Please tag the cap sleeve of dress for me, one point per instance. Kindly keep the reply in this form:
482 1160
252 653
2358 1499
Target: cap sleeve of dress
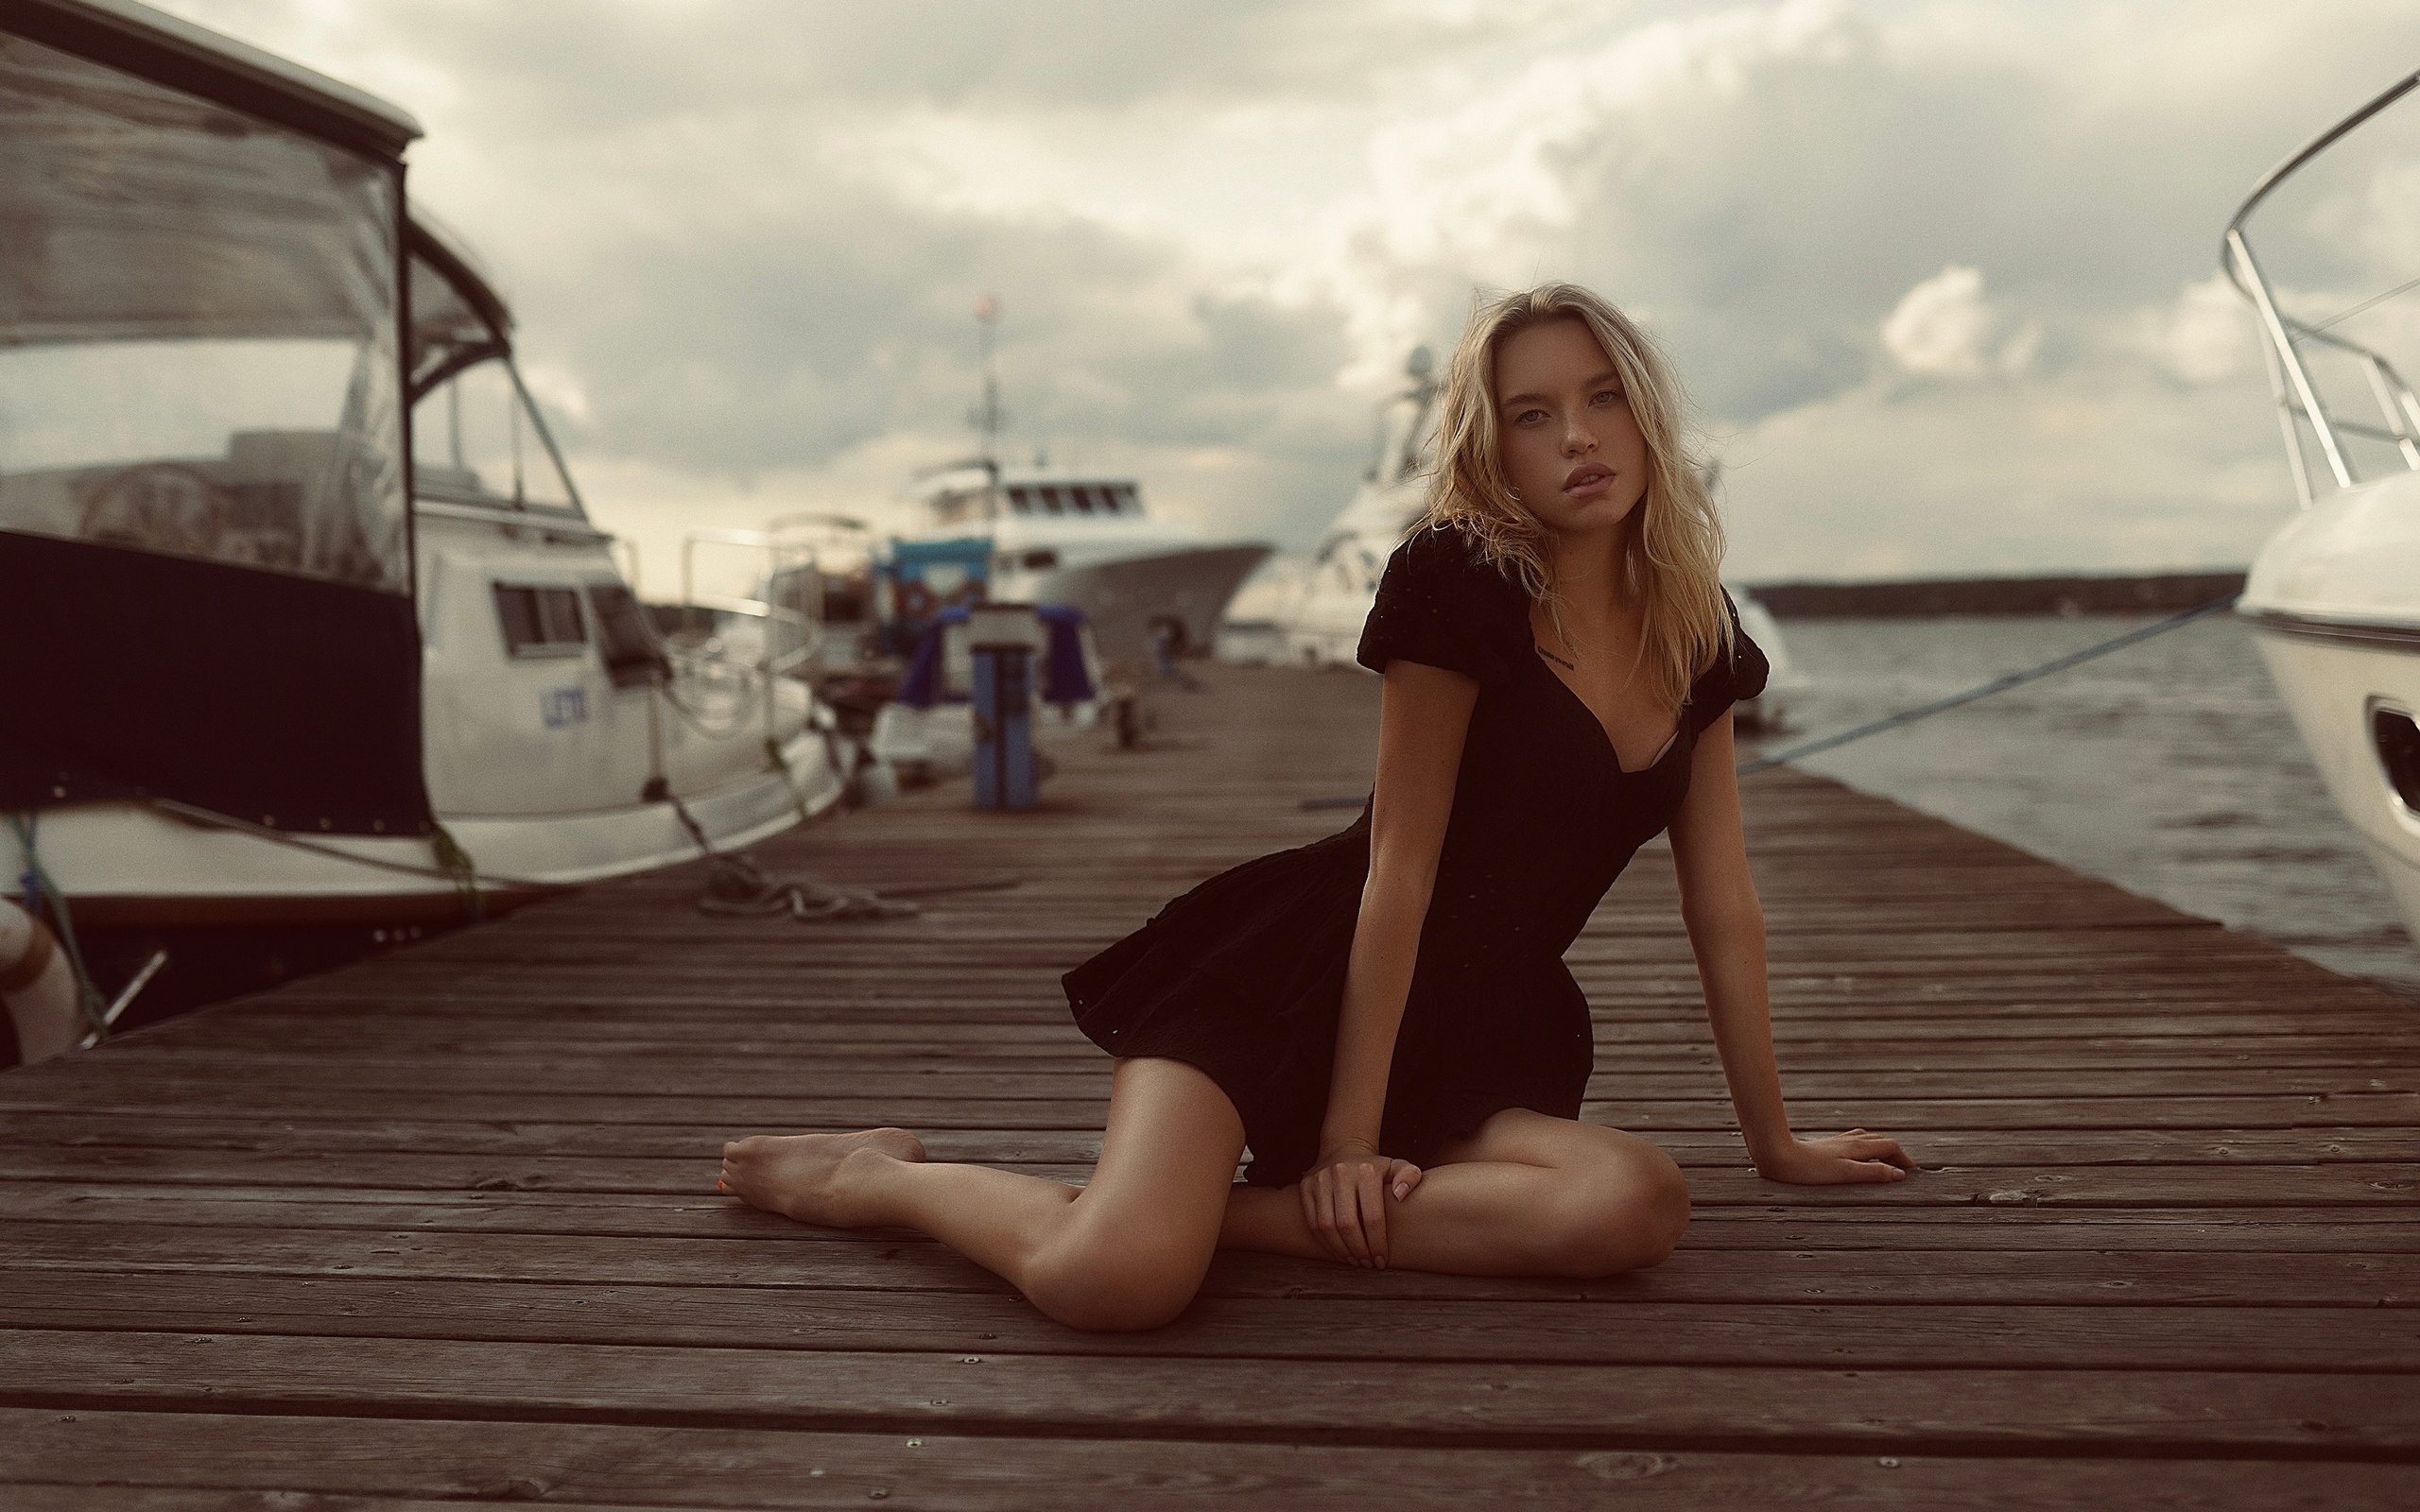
1440 606
1732 677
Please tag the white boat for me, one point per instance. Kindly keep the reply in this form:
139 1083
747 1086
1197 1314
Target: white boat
1153 587
1084 539
925 732
1320 624
1320 616
2334 597
305 624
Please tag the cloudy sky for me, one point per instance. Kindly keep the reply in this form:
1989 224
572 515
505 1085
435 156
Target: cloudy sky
1939 274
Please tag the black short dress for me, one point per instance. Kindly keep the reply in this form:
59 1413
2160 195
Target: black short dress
1244 975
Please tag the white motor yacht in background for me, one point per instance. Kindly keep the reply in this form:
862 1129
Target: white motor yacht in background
304 626
1147 584
1322 624
1062 537
2334 596
1320 614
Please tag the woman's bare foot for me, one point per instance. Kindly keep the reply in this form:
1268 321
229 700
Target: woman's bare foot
820 1179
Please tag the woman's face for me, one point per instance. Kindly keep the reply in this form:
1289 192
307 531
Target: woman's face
1568 442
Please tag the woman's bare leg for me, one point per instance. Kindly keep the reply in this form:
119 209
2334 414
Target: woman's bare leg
1527 1196
1126 1252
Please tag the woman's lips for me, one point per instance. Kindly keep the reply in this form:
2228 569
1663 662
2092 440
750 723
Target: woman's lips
1587 480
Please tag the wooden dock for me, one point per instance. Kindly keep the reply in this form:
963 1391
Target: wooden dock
441 1228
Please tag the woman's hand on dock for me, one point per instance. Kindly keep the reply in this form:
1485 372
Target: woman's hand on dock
1838 1160
1345 1194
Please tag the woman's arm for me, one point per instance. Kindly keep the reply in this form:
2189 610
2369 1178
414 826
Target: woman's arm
1726 927
1424 715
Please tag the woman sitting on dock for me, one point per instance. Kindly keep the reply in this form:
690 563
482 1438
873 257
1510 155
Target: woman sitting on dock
1384 1016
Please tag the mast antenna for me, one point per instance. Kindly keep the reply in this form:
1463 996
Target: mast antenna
987 416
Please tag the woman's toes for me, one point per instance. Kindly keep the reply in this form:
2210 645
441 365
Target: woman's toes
824 1179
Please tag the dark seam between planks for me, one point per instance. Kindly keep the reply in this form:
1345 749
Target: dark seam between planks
1832 1445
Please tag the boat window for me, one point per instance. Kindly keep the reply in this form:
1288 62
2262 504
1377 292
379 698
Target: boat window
198 329
1021 501
475 441
2398 743
539 620
1127 503
1040 561
1051 503
625 636
1082 499
1106 498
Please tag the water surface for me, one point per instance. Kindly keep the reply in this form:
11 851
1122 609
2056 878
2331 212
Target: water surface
2170 769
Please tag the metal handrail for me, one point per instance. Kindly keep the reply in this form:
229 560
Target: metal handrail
2314 148
770 664
2290 381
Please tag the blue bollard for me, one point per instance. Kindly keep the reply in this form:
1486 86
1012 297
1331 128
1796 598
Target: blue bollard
1001 640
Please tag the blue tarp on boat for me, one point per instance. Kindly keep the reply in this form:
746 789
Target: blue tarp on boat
1063 677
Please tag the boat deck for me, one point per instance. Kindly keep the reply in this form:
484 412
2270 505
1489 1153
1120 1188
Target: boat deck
441 1228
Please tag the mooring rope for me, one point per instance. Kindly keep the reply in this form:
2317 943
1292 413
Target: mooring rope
1925 710
1984 690
42 895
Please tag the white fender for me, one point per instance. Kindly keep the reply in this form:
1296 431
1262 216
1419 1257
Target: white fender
37 984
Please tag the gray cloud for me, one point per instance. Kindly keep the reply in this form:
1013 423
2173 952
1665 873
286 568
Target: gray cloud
751 235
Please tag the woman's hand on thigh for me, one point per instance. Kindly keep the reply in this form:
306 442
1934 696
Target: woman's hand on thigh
1345 1197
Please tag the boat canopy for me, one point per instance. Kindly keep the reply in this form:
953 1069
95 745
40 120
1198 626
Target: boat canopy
197 327
204 524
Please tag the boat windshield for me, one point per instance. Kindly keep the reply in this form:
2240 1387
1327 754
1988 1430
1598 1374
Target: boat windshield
198 332
476 440
477 436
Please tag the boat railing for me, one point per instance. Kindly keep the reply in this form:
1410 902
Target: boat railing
2285 339
787 635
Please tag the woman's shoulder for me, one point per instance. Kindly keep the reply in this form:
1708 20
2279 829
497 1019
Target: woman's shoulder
1445 558
1736 671
1441 602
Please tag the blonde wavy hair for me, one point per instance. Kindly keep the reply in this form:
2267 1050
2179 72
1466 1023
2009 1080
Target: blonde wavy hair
1672 548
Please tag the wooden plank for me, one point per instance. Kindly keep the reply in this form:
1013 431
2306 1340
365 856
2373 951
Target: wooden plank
985 1314
1473 1404
179 1083
1620 1060
1727 1184
2273 1231
2289 1110
2011 1277
272 1461
1966 1148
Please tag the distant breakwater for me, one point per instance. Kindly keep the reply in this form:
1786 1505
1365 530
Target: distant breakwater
2154 592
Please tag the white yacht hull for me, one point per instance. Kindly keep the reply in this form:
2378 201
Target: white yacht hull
1324 630
539 768
131 866
2334 601
1126 599
2329 688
